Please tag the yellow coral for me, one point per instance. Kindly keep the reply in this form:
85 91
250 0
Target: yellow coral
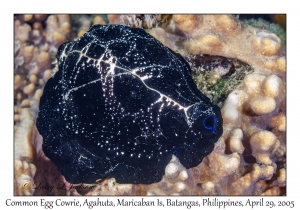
263 106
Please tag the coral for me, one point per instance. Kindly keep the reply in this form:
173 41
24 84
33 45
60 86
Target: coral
272 27
137 21
264 92
84 24
278 122
248 159
32 59
24 169
244 184
32 18
24 173
35 47
167 39
225 36
187 24
114 19
264 144
57 30
98 20
235 141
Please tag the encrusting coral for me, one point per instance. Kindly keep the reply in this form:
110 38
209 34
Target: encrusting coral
248 159
137 21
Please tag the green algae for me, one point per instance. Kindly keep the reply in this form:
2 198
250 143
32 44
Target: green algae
266 25
217 76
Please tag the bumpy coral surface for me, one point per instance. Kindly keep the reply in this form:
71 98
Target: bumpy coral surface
248 159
